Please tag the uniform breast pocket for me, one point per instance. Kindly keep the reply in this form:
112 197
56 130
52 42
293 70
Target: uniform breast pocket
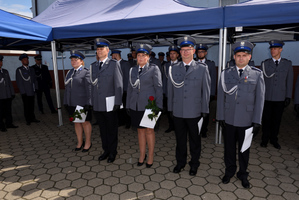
230 84
251 86
195 81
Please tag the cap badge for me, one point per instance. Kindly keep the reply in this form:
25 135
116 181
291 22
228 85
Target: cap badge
185 38
242 43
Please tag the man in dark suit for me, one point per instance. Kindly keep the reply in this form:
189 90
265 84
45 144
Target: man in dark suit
240 98
27 85
124 118
106 79
44 84
7 94
188 99
133 61
201 53
278 74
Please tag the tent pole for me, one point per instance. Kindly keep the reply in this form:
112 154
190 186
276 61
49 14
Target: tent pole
54 56
218 131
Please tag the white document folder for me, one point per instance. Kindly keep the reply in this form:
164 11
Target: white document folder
147 122
199 124
247 139
83 115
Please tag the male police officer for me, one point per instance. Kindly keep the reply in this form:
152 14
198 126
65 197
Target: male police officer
27 85
106 79
188 100
278 74
124 118
44 84
201 53
133 61
7 94
240 101
174 54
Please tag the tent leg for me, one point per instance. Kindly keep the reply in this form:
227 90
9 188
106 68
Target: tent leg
218 132
53 47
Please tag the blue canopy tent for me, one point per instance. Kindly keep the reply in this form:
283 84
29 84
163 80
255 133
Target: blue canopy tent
19 32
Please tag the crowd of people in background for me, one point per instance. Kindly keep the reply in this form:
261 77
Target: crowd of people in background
183 88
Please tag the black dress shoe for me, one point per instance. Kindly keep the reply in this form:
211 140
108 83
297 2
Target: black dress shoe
78 149
35 120
149 165
193 171
42 112
3 129
226 179
169 130
245 183
86 150
111 159
104 156
139 163
11 126
177 169
276 145
263 144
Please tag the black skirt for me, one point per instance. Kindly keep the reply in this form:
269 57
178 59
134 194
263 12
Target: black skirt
71 110
136 117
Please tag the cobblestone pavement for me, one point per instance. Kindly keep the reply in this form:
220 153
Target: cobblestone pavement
38 162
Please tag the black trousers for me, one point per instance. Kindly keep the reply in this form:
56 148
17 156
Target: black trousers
123 117
170 119
232 135
272 114
108 123
182 127
39 96
28 104
5 112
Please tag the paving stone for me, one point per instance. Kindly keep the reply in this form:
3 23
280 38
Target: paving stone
66 192
258 192
102 190
95 182
162 194
110 197
11 187
46 185
93 197
32 193
85 191
224 195
135 187
287 187
62 184
17 194
209 196
243 193
111 181
58 177
144 195
79 183
152 186
49 193
179 192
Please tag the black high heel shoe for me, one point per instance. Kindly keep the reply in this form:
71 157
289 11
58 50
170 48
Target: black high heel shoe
148 165
86 150
78 149
139 163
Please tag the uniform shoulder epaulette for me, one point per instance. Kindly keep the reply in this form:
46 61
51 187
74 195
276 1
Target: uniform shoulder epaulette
269 59
94 62
85 68
254 68
286 59
211 61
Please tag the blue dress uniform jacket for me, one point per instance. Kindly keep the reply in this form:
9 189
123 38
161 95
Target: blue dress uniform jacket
244 106
165 77
106 82
280 85
125 68
77 88
150 85
192 99
26 80
6 88
212 72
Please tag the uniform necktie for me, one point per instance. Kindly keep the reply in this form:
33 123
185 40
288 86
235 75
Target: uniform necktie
241 71
101 63
276 63
187 67
140 70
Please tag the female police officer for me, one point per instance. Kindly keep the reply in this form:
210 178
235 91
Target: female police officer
78 92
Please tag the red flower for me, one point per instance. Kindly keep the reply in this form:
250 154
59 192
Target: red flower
71 119
151 98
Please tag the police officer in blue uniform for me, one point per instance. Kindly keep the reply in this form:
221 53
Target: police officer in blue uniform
124 118
278 74
7 94
44 84
188 99
133 61
174 53
27 84
201 53
78 93
107 81
240 100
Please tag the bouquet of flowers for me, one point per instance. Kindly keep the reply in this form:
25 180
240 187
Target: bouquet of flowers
153 107
77 114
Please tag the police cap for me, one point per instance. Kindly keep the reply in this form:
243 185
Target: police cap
242 46
161 54
167 53
129 55
76 54
153 54
276 43
186 41
115 51
202 46
24 55
38 57
143 48
173 48
101 42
